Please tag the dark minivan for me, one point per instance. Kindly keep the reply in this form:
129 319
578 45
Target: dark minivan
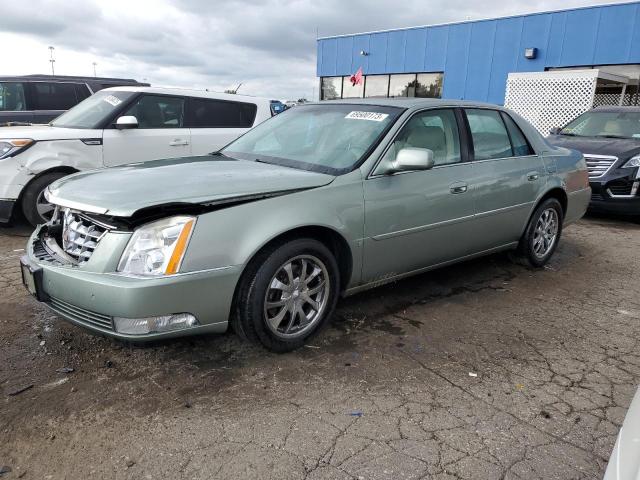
41 98
609 139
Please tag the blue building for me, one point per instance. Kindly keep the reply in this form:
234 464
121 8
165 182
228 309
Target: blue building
471 60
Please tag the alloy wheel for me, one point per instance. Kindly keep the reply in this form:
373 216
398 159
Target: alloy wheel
296 296
545 233
44 208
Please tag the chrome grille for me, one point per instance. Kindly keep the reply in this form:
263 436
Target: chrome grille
80 235
81 315
598 165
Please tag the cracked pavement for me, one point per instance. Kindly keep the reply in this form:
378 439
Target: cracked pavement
483 370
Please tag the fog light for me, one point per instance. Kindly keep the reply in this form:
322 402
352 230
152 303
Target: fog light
165 323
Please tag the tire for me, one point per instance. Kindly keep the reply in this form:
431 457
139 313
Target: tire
542 235
33 199
272 304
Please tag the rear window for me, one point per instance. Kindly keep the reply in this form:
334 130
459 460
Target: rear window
53 96
12 98
211 113
490 137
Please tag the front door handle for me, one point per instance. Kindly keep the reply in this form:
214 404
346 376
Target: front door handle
178 142
533 176
458 188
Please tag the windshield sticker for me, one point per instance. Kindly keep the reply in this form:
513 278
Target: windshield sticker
373 116
112 100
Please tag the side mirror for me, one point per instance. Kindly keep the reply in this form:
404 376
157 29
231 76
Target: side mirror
555 131
408 159
126 122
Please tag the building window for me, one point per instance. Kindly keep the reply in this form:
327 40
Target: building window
352 91
403 85
424 85
429 85
376 86
331 88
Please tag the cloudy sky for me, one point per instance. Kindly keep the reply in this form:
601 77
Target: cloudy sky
268 45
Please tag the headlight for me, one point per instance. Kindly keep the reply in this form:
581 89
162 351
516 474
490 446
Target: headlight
10 147
157 248
633 162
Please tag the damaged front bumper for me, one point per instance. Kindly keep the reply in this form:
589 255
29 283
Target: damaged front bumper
93 295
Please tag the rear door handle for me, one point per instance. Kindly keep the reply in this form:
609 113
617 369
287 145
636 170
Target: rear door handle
178 142
533 176
458 188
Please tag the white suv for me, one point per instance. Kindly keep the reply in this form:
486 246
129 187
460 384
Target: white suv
113 127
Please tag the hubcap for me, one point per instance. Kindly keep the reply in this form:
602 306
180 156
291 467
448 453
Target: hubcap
546 233
44 208
296 296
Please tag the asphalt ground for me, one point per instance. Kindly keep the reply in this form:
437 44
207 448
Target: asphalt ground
483 370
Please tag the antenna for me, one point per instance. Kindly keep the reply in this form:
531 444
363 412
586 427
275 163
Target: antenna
51 59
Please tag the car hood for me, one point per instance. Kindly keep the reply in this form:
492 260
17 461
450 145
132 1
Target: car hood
202 180
617 147
47 132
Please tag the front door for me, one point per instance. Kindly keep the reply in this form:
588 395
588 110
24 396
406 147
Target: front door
420 218
160 132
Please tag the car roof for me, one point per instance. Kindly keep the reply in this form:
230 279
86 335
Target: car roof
616 108
191 92
410 102
66 78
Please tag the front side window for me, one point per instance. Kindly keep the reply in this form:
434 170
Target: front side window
93 112
489 134
605 124
436 130
206 113
54 96
330 137
12 97
158 111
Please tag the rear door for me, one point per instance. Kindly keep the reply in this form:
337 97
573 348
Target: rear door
509 177
418 219
215 123
160 134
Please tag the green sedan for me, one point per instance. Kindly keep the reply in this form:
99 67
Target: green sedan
320 201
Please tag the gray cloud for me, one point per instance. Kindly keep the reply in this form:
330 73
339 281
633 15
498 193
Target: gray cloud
269 45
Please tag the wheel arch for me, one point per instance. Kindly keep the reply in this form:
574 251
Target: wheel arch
60 169
555 192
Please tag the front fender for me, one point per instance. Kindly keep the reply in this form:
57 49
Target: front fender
232 236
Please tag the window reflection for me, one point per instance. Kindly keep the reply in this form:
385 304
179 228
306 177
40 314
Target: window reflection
403 85
331 88
376 86
429 85
352 91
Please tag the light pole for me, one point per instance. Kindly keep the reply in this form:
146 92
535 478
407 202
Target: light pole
94 69
52 60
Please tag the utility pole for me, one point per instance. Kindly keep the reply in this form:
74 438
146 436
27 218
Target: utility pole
94 69
52 60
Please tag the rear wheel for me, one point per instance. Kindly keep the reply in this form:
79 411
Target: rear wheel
287 294
542 235
35 207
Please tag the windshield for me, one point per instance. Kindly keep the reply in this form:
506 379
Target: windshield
93 111
329 138
605 124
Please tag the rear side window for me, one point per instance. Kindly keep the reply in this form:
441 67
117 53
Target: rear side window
12 98
53 96
490 137
82 92
519 142
209 113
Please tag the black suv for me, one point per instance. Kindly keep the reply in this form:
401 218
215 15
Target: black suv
41 98
609 139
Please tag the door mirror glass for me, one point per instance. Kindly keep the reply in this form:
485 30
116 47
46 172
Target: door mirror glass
409 159
126 122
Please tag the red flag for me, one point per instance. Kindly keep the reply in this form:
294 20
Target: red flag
356 79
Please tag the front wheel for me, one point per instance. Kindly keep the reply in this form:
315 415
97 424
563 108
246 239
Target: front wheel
287 294
35 207
542 235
